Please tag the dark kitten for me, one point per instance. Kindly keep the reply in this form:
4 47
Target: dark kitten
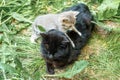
55 46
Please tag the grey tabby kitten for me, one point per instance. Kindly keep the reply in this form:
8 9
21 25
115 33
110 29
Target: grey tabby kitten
63 21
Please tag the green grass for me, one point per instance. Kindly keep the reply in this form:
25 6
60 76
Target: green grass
105 65
21 60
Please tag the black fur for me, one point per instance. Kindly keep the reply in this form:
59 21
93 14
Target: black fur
56 48
83 24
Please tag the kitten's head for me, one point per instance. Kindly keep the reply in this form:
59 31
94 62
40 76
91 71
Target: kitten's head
68 19
55 46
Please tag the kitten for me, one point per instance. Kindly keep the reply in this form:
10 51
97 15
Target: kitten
63 22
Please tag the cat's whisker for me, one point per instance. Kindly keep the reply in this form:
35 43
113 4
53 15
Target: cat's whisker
72 43
79 33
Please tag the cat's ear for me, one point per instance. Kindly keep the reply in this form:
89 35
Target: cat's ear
44 35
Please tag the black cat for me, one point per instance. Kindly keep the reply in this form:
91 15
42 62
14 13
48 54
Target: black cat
55 46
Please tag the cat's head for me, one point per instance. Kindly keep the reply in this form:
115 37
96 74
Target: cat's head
68 19
55 46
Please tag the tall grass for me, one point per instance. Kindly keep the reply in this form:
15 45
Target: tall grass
20 59
105 65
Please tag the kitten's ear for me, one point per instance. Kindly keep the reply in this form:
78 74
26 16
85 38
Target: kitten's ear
44 35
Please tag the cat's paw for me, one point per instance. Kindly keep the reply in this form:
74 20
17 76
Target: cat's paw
49 68
50 71
33 38
32 41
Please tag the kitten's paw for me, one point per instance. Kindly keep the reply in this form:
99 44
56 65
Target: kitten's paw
32 40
